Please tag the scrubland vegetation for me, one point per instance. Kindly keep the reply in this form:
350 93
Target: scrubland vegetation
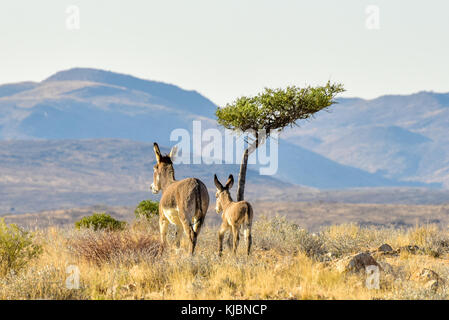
287 262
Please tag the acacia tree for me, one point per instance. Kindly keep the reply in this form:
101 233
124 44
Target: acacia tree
273 109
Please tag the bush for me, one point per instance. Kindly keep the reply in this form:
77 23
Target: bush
99 221
430 239
147 209
350 238
16 248
129 246
286 237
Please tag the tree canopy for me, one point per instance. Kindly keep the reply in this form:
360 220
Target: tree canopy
275 109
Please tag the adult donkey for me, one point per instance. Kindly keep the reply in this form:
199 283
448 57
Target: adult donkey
183 203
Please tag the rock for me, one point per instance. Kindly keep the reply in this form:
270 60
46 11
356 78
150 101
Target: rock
410 249
433 279
428 274
130 287
385 248
356 263
328 257
432 285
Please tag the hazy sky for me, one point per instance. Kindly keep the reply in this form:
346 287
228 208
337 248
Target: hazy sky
226 48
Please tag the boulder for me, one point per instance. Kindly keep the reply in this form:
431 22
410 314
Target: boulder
433 281
432 285
385 248
428 274
410 249
356 263
329 256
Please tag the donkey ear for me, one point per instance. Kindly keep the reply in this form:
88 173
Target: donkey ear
230 182
217 183
157 152
173 153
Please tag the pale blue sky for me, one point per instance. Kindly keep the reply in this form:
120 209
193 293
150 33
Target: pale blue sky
226 48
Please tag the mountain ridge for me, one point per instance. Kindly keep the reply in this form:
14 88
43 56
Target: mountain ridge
345 148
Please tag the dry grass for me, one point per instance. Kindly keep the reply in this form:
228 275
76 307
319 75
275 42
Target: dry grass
287 262
120 247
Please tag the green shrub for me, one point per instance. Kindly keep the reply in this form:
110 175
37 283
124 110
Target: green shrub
16 248
147 209
99 221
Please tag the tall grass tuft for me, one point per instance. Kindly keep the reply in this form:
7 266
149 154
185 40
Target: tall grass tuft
430 239
287 238
340 240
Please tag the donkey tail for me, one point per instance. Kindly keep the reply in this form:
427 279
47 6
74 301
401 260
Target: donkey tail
199 206
247 224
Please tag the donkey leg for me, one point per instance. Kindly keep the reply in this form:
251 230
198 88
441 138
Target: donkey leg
193 243
163 227
188 230
235 238
178 236
249 239
221 234
229 241
197 223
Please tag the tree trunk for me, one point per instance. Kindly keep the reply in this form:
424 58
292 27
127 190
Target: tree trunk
242 176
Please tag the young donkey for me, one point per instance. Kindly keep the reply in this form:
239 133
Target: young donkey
235 214
183 203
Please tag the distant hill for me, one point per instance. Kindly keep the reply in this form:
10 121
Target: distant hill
160 93
54 174
88 103
66 174
400 137
356 145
